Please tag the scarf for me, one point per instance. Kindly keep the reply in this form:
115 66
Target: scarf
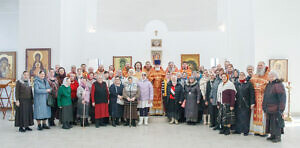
24 81
65 82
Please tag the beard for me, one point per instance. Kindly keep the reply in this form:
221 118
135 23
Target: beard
261 72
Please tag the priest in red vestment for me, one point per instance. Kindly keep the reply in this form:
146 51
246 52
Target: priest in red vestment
157 75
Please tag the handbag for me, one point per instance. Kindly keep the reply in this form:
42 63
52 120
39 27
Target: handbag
50 100
183 104
120 101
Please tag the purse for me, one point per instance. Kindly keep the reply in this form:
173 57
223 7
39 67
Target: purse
50 100
120 101
183 104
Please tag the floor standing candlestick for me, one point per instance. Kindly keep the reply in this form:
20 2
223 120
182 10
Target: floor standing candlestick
289 117
12 87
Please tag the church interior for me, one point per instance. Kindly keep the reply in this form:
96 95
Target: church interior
37 35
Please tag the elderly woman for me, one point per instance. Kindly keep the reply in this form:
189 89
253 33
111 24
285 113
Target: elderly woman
42 111
116 101
65 103
274 105
245 101
53 82
131 93
226 102
192 95
83 95
24 98
175 96
100 100
203 106
145 101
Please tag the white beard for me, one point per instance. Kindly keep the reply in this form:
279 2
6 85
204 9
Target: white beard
260 72
157 68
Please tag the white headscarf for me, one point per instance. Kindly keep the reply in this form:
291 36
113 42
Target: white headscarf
65 82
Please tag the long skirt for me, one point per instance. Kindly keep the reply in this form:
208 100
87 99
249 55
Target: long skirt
173 109
67 114
101 110
24 114
133 110
274 124
243 120
116 110
82 113
226 116
191 109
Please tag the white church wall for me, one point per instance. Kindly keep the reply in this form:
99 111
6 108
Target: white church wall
277 35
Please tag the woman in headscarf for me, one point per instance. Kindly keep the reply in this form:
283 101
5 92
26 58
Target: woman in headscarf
273 105
54 86
100 100
115 94
83 94
192 95
145 101
24 98
42 111
131 93
65 103
226 101
245 101
175 96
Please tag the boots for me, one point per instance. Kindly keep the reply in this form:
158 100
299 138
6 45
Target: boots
97 123
222 130
113 122
101 123
227 131
117 121
204 119
65 126
172 121
271 137
133 123
51 122
126 122
45 126
146 120
141 121
21 129
40 127
208 119
276 139
176 121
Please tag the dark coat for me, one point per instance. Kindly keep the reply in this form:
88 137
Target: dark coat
115 109
274 97
23 91
179 94
245 96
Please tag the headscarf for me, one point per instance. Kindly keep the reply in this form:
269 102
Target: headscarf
65 81
86 93
25 81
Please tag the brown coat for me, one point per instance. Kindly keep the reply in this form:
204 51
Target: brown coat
23 91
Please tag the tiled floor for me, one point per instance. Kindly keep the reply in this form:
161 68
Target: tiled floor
159 134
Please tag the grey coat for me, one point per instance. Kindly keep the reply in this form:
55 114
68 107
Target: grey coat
214 90
41 109
192 95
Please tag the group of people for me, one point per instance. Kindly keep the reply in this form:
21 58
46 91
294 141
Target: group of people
226 99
